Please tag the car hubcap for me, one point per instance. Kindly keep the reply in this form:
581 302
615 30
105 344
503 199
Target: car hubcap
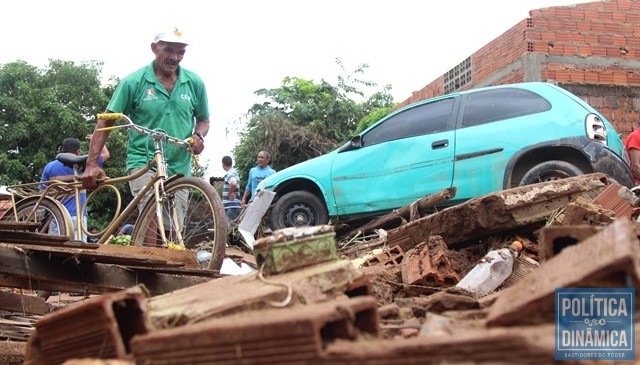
300 215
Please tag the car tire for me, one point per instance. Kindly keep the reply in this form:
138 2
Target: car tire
550 171
298 209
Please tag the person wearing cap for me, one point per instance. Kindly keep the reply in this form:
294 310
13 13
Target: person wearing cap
56 170
161 95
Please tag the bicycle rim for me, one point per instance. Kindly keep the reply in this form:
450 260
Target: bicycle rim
202 225
50 214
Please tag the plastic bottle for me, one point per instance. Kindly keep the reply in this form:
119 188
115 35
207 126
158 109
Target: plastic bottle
491 271
203 256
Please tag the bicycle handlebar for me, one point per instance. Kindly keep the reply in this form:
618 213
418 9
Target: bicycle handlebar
111 116
142 130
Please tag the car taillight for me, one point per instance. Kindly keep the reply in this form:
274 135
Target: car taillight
596 130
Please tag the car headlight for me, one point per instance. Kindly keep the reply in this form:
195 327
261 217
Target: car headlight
596 130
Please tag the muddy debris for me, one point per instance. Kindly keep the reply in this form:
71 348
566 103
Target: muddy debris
387 293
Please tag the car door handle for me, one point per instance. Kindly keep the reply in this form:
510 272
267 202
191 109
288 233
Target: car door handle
440 144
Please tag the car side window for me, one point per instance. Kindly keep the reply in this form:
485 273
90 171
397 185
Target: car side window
492 105
423 119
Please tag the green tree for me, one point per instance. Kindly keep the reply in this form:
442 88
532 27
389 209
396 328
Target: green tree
41 107
302 119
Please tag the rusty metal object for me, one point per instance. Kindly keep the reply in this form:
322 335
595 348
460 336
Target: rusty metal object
277 336
100 327
293 248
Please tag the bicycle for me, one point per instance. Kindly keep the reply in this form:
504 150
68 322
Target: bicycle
181 212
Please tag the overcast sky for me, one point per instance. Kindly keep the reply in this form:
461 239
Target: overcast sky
242 46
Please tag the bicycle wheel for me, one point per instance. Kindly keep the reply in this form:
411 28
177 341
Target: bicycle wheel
49 213
201 218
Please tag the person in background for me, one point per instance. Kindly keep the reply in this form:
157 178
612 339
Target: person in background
56 170
125 229
257 174
231 190
632 148
93 239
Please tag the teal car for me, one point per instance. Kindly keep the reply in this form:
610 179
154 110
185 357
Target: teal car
479 141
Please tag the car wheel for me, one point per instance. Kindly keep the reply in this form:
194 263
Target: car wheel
298 209
550 171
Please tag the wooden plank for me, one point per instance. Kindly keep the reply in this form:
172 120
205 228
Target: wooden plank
500 211
18 226
36 238
81 255
408 212
9 322
20 269
186 258
308 285
26 304
182 271
154 255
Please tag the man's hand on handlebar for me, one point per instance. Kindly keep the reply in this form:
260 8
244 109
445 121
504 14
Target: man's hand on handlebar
197 145
90 177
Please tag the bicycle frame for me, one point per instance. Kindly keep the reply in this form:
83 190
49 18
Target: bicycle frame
156 183
61 190
55 191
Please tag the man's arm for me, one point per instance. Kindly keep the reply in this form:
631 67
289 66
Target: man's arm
635 161
201 130
247 189
92 171
233 188
105 154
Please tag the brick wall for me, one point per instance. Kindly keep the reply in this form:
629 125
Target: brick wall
591 49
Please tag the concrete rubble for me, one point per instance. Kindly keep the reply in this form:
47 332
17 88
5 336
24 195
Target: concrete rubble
385 295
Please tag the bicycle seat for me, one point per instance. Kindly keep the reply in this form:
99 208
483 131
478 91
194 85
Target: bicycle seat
70 159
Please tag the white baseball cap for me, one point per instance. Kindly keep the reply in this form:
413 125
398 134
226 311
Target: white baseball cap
174 36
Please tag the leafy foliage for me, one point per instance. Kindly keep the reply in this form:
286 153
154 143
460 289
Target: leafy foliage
41 107
373 117
302 119
122 240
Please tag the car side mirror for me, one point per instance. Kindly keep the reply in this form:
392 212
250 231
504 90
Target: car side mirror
354 143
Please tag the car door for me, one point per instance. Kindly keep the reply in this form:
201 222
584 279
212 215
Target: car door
492 126
402 158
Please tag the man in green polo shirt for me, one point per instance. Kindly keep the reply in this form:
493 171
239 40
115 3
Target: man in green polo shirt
161 95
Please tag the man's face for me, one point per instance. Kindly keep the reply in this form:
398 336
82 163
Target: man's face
262 160
168 55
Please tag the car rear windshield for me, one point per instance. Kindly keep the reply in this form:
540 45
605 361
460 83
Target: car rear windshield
492 105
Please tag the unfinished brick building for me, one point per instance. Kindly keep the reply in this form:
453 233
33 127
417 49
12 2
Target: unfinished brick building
590 49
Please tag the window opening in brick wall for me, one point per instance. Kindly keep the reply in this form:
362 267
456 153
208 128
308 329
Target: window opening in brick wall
529 22
458 76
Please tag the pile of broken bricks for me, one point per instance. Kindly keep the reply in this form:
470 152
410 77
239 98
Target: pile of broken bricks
399 306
